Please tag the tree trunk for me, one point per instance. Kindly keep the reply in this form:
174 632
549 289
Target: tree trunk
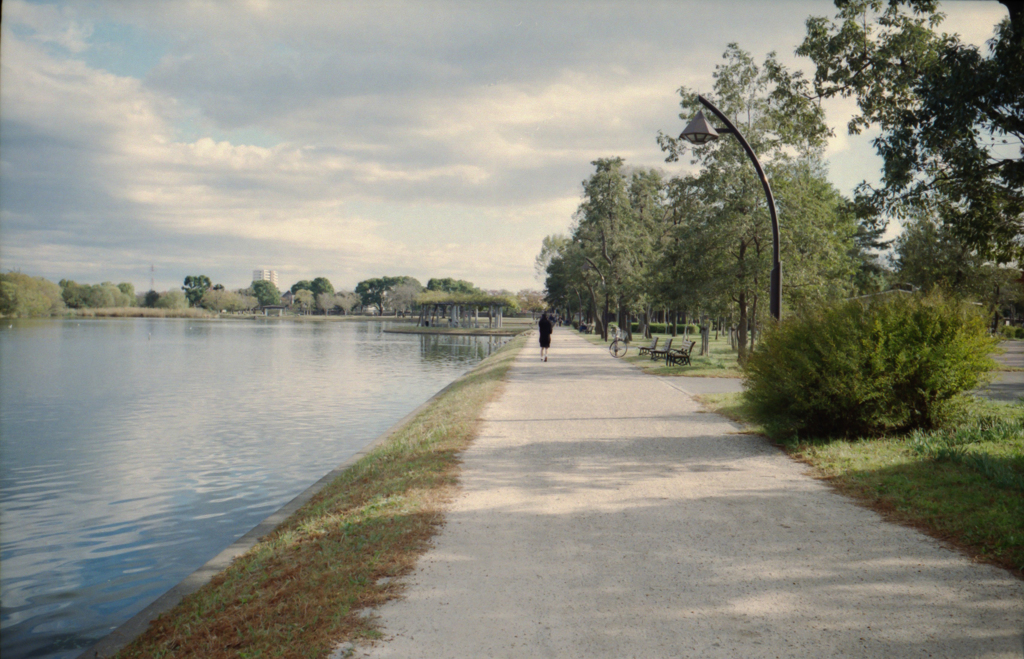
604 317
741 338
596 320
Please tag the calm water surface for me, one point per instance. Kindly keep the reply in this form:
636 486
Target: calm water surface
133 450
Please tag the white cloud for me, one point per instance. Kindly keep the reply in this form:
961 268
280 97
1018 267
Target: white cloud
431 139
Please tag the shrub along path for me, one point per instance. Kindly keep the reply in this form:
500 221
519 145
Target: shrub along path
605 515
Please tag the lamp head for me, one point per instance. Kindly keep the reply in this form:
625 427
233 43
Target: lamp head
699 131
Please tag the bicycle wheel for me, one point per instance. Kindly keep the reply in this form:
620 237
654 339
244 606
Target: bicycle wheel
617 348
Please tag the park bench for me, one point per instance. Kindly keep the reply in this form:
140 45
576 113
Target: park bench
648 349
680 356
658 354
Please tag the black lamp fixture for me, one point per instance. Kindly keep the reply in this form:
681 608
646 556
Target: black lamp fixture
699 131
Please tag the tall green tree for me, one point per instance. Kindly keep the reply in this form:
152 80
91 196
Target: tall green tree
265 292
550 247
930 255
195 287
301 285
321 286
721 242
606 235
373 292
449 285
951 116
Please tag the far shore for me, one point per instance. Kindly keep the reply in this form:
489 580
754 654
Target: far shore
461 331
203 314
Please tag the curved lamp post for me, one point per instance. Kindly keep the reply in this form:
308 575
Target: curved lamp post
699 131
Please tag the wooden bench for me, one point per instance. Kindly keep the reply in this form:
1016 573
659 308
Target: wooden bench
681 356
658 354
648 349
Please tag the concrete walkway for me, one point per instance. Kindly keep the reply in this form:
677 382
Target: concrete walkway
605 515
1008 386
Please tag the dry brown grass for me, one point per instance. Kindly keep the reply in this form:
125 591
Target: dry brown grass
299 591
141 312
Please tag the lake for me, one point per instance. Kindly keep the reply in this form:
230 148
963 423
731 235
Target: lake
134 450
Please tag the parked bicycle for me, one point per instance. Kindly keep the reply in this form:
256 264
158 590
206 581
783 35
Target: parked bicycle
618 345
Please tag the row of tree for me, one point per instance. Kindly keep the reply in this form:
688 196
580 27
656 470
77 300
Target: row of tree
23 295
643 244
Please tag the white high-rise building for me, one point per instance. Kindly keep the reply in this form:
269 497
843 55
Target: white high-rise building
265 275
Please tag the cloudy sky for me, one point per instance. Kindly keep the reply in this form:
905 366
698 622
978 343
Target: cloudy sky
349 139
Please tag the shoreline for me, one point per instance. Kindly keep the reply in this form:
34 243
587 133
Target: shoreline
121 636
457 331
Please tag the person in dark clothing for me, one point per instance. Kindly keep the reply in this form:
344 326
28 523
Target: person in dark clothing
545 336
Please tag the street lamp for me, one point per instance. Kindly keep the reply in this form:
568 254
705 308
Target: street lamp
699 131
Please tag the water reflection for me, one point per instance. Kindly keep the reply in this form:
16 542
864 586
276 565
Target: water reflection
132 451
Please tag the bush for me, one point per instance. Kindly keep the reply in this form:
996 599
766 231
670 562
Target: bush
172 300
867 369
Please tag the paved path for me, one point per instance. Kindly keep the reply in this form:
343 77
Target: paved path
604 515
1008 386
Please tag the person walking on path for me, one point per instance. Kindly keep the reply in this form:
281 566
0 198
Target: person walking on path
545 336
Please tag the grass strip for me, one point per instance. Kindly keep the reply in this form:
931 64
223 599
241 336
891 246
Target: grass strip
961 484
299 591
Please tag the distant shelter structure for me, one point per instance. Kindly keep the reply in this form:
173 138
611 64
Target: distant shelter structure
442 309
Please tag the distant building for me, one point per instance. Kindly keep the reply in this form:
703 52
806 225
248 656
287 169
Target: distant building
265 275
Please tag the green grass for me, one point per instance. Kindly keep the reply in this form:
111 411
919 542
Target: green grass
963 484
299 591
720 363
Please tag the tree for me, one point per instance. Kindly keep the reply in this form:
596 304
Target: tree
320 286
221 300
305 299
930 256
374 291
346 301
325 302
265 292
403 296
449 285
530 300
195 287
75 296
172 300
303 285
151 298
719 248
606 234
550 247
951 118
128 289
22 296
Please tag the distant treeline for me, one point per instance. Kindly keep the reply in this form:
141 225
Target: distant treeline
22 295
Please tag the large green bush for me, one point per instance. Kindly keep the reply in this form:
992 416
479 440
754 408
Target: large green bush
22 295
890 365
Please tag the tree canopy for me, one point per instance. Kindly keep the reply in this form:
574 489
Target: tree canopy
703 242
195 287
373 292
951 117
449 285
265 292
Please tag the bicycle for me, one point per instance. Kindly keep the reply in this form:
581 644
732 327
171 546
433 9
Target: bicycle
618 345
